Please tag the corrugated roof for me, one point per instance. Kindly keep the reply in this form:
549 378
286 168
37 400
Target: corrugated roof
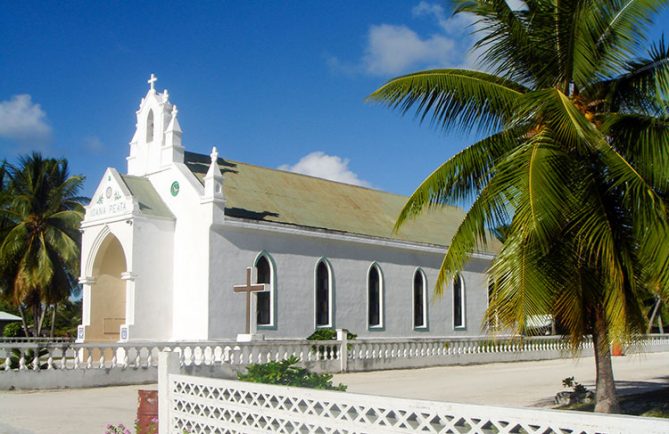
263 194
150 202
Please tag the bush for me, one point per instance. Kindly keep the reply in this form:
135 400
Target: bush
575 385
287 373
13 330
328 335
29 358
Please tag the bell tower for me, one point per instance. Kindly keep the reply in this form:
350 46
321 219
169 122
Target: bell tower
157 140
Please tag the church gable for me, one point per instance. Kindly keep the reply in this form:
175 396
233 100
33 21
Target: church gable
123 196
112 198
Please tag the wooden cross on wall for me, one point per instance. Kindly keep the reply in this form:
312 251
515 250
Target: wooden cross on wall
248 289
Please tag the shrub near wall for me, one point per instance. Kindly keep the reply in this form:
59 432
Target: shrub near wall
287 373
328 335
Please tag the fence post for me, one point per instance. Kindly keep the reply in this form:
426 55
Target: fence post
168 363
342 336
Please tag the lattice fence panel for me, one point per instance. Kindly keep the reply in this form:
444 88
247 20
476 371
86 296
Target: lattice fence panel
201 405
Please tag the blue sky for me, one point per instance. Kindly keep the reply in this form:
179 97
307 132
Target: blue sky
278 84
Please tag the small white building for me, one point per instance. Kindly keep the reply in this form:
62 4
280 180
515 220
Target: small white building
164 244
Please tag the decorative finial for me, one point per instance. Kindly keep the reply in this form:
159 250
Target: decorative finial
166 95
152 81
174 111
214 155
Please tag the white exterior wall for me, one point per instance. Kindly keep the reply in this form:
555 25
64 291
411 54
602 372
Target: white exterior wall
190 260
295 258
152 280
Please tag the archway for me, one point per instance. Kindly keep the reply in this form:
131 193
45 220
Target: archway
108 302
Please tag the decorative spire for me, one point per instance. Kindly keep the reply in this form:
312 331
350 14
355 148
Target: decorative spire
213 180
152 82
166 96
174 126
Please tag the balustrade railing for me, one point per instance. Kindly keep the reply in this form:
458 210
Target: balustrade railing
422 348
40 356
325 355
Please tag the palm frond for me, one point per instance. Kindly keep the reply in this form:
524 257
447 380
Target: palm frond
644 87
543 178
621 30
453 98
521 286
462 176
643 141
508 40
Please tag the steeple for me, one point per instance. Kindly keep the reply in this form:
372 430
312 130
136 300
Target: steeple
213 180
157 140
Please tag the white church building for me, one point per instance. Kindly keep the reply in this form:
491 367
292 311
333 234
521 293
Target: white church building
165 243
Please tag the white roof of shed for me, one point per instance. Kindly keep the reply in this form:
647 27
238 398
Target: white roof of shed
5 316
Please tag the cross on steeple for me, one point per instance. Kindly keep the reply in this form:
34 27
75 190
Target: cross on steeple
152 81
248 289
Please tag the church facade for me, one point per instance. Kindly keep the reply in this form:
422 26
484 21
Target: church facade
165 243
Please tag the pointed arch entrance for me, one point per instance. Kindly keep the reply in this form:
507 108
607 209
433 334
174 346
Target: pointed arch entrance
108 292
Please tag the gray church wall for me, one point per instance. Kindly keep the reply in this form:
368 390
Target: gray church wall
295 257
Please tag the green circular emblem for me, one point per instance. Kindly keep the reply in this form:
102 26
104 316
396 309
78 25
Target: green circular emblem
174 188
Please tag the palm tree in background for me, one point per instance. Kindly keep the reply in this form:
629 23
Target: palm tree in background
40 214
574 164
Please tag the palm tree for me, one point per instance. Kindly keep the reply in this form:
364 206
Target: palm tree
39 252
574 161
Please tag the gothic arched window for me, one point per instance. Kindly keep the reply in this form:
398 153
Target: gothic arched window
493 322
375 297
323 295
149 127
264 299
419 300
458 302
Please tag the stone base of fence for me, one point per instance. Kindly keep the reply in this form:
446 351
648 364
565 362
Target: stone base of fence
74 379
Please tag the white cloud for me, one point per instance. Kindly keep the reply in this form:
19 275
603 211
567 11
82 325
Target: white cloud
93 144
395 49
456 25
24 121
326 166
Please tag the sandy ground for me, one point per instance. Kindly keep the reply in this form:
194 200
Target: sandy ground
520 384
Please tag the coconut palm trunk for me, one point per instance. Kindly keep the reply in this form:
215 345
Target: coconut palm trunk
53 319
24 323
605 394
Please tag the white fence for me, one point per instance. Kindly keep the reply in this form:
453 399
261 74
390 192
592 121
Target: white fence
202 405
53 365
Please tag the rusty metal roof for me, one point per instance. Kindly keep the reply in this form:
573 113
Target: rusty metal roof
271 195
